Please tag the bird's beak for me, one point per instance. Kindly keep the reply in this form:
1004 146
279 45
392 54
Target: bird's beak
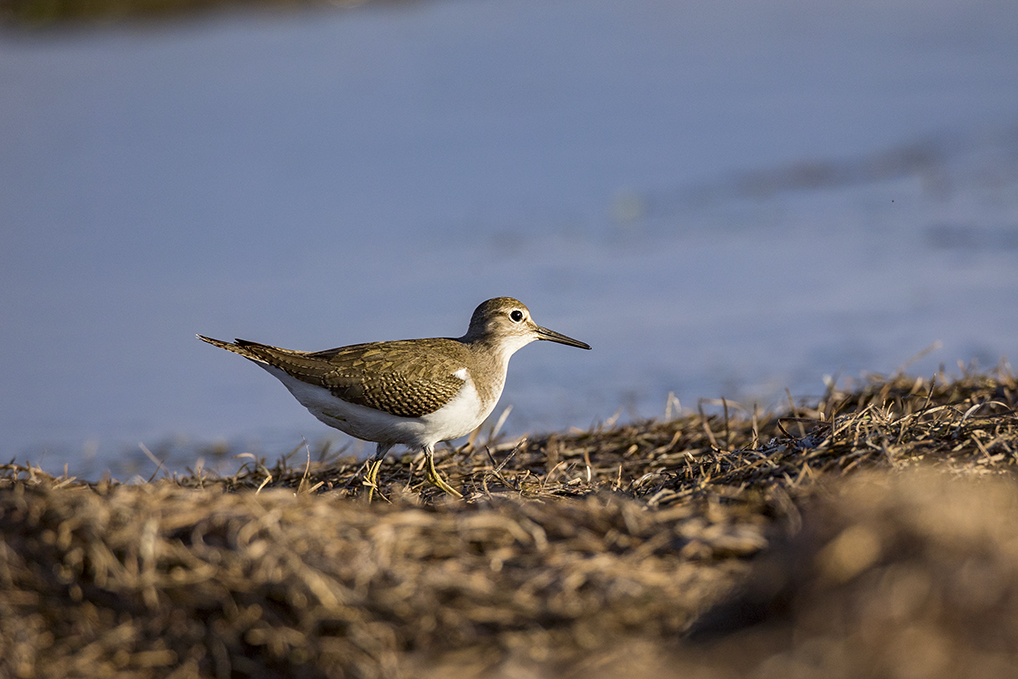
552 336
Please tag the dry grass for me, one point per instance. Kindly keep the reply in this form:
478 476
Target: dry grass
638 549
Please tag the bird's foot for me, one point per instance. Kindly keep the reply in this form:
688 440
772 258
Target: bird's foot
436 479
371 480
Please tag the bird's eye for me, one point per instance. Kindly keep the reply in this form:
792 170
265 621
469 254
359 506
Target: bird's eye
516 315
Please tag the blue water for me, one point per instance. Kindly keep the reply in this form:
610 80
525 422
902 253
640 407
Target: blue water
724 199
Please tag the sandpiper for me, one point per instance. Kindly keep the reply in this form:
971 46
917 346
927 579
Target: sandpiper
412 392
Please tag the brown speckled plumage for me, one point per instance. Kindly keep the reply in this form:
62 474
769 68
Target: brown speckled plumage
408 378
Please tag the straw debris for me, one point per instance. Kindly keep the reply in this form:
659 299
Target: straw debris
635 548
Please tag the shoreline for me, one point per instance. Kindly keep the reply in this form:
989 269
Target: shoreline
651 545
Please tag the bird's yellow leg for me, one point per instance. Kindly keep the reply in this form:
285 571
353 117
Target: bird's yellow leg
436 479
371 478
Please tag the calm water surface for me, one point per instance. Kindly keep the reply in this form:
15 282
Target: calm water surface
724 199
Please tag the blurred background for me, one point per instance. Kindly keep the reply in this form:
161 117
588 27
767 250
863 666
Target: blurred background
724 199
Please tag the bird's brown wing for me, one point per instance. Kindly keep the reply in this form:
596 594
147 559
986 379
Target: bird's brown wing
407 378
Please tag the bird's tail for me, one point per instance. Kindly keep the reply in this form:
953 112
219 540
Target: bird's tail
238 346
262 354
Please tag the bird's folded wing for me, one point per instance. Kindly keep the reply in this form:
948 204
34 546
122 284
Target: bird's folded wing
403 378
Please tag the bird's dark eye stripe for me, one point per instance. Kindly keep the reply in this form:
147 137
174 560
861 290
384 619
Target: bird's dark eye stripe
516 315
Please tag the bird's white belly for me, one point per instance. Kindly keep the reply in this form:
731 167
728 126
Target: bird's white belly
457 418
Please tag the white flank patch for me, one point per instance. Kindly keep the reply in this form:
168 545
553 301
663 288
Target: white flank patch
458 417
462 374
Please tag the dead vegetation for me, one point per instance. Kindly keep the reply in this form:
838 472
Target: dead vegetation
654 549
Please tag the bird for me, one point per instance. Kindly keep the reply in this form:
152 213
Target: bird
416 392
